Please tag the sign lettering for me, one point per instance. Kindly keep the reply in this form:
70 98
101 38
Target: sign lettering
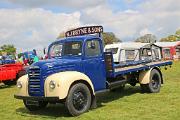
84 30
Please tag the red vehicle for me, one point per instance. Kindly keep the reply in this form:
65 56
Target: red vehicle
170 50
10 72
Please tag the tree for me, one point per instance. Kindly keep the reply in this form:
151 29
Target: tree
178 35
61 35
172 38
109 38
148 38
8 49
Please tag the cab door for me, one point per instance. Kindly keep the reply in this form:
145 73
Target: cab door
94 64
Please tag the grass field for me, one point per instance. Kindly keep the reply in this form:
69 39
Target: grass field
129 104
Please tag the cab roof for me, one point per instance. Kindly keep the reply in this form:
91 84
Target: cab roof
77 38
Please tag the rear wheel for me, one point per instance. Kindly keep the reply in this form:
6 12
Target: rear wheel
155 83
35 105
78 100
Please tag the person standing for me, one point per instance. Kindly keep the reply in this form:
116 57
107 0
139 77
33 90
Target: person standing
35 59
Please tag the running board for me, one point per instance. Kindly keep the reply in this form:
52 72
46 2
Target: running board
111 85
101 92
116 84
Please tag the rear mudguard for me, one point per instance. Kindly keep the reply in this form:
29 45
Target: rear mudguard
144 76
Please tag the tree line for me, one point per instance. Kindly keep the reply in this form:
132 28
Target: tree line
7 50
149 38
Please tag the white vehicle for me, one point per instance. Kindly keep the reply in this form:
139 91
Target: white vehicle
133 51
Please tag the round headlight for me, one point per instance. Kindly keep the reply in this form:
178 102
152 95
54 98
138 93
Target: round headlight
52 84
19 84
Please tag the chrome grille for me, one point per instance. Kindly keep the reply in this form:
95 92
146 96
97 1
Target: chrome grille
34 81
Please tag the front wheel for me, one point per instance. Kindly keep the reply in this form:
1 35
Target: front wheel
78 100
35 105
155 82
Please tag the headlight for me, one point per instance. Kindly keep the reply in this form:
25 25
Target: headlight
52 84
19 84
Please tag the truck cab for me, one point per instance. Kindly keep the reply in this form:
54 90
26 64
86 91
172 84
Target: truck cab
80 54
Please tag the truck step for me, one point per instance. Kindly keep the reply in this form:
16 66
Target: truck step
116 84
101 92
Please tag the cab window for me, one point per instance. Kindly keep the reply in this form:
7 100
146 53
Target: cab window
92 48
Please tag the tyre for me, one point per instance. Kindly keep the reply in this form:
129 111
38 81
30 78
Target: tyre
155 83
78 100
35 105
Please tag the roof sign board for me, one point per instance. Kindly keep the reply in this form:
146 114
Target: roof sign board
84 31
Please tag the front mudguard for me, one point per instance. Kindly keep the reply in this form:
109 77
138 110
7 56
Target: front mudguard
64 81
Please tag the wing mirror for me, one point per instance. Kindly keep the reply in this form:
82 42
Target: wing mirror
44 51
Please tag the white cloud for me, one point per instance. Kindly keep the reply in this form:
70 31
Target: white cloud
160 5
123 23
145 31
65 3
128 24
33 28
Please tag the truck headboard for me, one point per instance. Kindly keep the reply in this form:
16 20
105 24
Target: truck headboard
109 63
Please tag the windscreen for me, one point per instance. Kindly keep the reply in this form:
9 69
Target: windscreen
73 48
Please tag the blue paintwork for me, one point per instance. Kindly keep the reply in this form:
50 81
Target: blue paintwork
56 65
93 67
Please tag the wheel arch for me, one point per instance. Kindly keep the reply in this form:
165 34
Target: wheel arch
144 76
84 82
64 81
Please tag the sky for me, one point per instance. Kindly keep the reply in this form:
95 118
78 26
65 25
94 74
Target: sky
34 24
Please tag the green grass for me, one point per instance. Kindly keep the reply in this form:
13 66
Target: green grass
130 104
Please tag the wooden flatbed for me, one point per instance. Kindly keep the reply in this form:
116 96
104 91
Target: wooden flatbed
139 67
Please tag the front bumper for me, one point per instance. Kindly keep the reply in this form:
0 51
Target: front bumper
37 98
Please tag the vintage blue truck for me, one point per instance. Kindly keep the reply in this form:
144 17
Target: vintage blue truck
78 70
